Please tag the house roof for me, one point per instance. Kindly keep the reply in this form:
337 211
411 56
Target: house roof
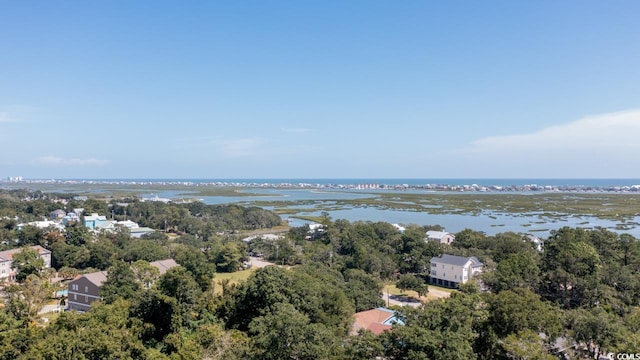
456 260
141 230
164 265
431 234
94 217
8 254
375 320
97 278
57 212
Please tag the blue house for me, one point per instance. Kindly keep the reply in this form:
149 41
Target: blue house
94 221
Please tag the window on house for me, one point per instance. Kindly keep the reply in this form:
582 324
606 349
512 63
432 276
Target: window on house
86 299
86 289
75 297
433 273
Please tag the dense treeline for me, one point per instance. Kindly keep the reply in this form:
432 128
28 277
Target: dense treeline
580 294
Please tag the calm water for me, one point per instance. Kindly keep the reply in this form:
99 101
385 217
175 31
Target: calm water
489 222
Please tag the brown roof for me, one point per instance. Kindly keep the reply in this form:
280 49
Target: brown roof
96 278
164 265
372 320
8 254
378 328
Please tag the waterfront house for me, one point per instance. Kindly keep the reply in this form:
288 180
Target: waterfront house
442 237
451 271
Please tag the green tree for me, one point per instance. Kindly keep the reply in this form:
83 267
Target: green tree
77 234
145 273
121 283
27 262
412 282
521 309
178 284
526 345
26 299
517 270
195 261
286 333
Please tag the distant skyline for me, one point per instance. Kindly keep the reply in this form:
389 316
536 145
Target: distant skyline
319 89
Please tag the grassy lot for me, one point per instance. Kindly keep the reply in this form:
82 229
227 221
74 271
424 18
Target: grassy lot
234 278
435 292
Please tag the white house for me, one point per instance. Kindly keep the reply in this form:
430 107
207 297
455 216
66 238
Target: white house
451 271
399 227
442 237
42 224
7 272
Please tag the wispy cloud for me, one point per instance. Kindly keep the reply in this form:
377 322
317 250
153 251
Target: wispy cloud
242 147
296 130
613 131
6 118
604 145
15 113
227 147
58 161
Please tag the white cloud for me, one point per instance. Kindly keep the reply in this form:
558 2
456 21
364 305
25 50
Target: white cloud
613 131
6 118
58 161
227 147
603 145
242 147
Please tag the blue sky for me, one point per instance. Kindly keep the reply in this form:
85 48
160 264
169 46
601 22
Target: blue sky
324 89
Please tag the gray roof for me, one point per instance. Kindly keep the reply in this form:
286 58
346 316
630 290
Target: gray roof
456 260
96 278
164 265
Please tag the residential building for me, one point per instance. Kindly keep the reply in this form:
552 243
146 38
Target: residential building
399 227
164 265
375 320
42 225
8 273
57 214
70 218
442 237
94 221
85 289
451 271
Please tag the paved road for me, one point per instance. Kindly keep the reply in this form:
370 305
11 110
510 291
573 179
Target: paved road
50 308
259 263
400 300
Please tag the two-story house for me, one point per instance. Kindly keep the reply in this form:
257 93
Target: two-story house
451 271
85 289
94 221
8 273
